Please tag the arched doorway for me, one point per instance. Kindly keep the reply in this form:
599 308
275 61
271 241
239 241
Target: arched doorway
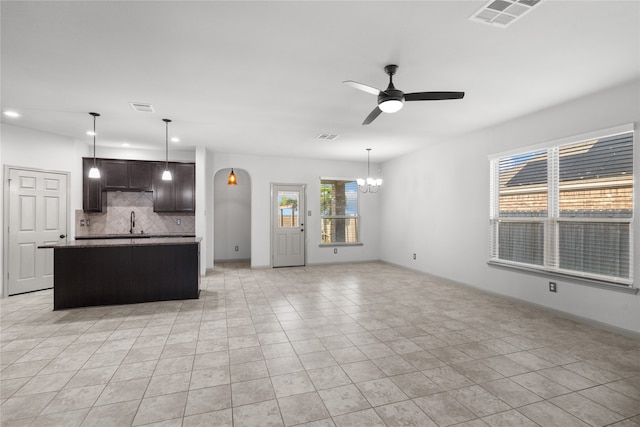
232 217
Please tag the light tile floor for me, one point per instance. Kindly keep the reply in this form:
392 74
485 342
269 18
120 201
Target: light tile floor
342 345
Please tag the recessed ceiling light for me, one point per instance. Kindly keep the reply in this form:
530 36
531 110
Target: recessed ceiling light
174 139
12 114
91 133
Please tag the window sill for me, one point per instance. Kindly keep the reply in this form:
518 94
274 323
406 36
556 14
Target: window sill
602 284
331 245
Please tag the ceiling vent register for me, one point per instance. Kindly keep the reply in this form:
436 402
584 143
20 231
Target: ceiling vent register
501 13
141 107
327 136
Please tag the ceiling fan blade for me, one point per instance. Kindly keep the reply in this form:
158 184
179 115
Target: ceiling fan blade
372 116
363 87
432 96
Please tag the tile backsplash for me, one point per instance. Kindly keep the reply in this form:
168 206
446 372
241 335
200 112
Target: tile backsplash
116 218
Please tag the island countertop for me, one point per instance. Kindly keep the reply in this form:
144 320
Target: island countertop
105 243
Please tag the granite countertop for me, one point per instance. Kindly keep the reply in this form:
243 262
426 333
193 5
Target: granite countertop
93 243
133 236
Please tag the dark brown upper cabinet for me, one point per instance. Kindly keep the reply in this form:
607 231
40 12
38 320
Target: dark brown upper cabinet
140 176
185 187
92 198
126 175
177 195
115 175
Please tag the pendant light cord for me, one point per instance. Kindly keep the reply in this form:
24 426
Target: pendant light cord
94 141
94 115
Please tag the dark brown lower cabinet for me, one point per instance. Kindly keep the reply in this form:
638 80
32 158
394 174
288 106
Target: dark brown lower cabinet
107 275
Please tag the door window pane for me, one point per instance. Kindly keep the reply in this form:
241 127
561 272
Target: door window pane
288 215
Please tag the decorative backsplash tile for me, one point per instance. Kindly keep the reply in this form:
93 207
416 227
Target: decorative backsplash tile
117 217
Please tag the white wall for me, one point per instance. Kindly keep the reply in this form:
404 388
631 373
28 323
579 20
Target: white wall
232 216
264 171
441 212
40 150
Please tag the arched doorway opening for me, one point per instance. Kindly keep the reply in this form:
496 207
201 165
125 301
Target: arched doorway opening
232 217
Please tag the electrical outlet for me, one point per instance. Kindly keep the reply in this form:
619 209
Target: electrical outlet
82 223
179 221
237 248
553 287
414 256
87 222
335 250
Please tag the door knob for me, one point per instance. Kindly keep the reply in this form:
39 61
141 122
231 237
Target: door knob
62 236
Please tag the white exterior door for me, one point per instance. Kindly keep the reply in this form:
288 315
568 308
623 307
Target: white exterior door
37 215
287 216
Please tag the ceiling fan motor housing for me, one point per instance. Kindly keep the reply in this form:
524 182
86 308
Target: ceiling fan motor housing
390 94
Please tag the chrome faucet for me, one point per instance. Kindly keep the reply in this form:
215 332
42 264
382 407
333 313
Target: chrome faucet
132 221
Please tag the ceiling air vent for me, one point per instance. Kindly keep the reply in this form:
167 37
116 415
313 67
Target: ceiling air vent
141 107
327 136
502 13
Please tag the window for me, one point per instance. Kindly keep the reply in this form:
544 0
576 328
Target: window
567 208
339 212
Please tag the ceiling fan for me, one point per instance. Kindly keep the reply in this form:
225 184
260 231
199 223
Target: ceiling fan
391 99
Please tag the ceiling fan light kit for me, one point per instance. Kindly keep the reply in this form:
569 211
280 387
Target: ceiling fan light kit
391 100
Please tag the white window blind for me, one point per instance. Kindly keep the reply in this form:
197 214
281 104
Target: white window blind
339 211
566 208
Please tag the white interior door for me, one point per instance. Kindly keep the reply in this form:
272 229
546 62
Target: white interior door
37 215
288 238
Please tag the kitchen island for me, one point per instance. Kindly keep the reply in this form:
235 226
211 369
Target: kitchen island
125 271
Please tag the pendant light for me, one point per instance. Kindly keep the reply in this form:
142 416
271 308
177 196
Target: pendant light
369 185
166 175
232 178
94 172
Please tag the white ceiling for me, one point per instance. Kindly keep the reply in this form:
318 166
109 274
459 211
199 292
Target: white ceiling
264 78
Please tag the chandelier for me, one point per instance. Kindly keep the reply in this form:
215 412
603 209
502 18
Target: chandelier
369 185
